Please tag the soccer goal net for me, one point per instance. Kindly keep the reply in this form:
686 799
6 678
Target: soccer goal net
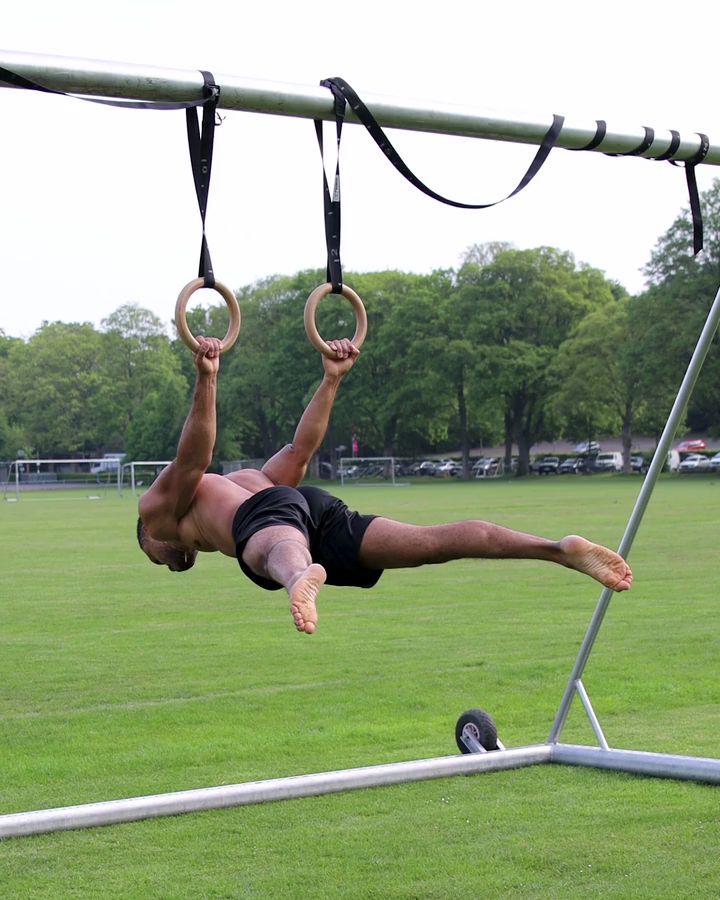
363 470
61 478
139 474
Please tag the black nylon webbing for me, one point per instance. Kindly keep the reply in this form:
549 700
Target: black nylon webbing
674 144
331 202
383 142
695 210
691 180
600 132
200 144
644 144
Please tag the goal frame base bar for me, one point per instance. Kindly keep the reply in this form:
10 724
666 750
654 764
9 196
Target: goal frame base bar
89 815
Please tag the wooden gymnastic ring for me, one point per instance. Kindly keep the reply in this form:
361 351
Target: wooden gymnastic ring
233 309
311 329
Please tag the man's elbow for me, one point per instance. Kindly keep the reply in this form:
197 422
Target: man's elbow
287 467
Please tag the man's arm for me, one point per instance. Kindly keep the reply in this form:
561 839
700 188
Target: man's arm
171 494
289 465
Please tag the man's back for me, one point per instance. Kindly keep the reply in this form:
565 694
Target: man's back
207 524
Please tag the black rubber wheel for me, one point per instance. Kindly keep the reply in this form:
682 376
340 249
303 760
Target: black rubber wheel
480 725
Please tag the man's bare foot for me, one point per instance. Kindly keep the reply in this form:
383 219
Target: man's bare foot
303 592
598 562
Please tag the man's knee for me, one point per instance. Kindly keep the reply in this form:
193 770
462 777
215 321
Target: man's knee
262 544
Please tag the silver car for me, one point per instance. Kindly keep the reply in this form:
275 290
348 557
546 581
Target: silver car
696 462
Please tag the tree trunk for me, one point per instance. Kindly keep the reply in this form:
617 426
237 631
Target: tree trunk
391 432
462 416
627 436
523 453
509 436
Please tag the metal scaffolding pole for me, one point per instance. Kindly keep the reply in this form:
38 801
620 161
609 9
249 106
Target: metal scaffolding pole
95 78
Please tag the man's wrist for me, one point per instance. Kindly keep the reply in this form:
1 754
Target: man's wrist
332 380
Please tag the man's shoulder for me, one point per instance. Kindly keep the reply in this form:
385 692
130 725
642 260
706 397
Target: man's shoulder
251 479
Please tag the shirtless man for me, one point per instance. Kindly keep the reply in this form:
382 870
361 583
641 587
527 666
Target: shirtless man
299 539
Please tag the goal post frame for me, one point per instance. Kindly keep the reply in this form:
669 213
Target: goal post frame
16 464
347 462
141 462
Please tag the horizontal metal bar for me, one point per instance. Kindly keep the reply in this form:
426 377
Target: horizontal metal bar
135 82
114 811
660 765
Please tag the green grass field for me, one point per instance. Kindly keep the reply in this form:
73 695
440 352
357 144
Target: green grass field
120 679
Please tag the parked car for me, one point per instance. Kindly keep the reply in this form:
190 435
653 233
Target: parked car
586 464
609 462
696 462
548 465
715 461
489 467
696 444
570 466
587 447
448 467
403 469
427 467
639 464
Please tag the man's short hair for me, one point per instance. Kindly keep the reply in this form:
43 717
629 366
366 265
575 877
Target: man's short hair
183 560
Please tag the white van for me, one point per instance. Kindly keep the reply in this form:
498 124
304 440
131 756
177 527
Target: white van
110 463
609 462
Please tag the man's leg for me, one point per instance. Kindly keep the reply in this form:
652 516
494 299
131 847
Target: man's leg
281 554
393 545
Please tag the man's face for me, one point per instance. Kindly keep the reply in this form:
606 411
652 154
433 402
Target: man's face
162 553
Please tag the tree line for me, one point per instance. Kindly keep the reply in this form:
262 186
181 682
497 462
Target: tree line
513 347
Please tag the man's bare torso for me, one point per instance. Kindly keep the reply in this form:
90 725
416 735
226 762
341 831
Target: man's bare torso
207 525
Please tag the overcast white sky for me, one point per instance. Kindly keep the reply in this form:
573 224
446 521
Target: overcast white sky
99 207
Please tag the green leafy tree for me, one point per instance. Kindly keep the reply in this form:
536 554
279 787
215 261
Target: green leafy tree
56 379
396 398
12 436
155 429
265 378
672 255
526 303
139 361
600 377
674 309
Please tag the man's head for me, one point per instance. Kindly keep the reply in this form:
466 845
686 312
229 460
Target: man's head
162 553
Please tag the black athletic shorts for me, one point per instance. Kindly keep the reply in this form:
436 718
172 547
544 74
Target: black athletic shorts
333 532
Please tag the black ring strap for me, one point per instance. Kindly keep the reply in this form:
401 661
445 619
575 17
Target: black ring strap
693 193
644 144
674 144
600 132
331 202
200 144
383 142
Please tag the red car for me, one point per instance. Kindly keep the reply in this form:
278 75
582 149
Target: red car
691 445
